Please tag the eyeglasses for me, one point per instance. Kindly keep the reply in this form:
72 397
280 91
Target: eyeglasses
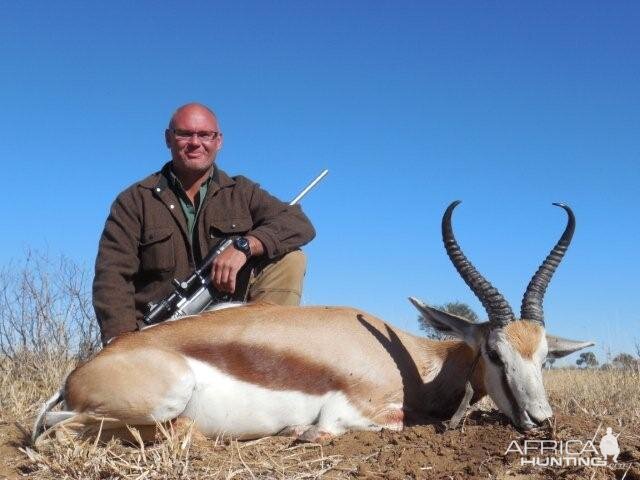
205 136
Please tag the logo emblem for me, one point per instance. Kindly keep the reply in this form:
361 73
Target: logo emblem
609 445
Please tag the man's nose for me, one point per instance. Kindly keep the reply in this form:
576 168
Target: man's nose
194 139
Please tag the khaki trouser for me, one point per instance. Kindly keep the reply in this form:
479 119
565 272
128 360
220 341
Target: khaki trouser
278 281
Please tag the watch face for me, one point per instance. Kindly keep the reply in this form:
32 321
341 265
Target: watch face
242 244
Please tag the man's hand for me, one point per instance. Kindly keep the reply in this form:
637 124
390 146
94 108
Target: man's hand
226 266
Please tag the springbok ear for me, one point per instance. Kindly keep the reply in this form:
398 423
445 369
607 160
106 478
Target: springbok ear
561 347
446 322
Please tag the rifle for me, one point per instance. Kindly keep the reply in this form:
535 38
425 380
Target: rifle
196 293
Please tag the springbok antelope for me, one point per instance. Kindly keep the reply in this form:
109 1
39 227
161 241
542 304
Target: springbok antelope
263 369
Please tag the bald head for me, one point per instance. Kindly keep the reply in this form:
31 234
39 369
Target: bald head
194 138
193 108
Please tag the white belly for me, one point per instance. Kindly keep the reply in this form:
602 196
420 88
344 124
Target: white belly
224 405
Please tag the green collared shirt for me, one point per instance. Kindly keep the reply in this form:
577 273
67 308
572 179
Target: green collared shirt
189 209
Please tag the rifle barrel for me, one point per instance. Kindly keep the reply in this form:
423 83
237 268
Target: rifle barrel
309 187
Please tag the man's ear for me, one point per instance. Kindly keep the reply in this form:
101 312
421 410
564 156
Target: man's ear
446 322
561 347
167 138
220 141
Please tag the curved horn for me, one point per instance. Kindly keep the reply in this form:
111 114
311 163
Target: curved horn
497 308
532 301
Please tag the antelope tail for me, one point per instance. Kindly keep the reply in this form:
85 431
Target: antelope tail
40 424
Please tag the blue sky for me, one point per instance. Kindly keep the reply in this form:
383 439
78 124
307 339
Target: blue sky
508 106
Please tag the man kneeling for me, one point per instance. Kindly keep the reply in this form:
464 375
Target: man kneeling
161 227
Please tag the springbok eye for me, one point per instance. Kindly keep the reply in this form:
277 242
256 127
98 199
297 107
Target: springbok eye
494 357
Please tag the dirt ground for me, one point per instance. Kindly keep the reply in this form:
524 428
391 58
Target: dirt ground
474 451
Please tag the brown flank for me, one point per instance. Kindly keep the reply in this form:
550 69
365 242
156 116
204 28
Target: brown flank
267 367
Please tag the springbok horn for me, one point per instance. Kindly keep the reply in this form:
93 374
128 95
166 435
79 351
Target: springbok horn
497 308
532 301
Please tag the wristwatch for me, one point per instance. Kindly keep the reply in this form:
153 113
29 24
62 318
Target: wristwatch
242 244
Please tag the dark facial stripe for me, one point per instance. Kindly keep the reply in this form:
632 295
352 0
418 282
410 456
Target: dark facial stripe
509 394
267 367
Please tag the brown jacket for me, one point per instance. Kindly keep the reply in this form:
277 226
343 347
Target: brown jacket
145 243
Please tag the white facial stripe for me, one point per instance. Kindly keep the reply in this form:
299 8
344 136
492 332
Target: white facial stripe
501 390
516 385
542 351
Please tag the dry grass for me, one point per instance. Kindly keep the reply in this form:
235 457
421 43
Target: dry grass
27 380
598 393
179 456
